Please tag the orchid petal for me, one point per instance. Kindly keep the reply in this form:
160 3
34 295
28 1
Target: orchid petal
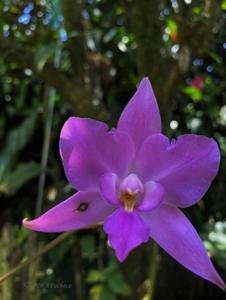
141 117
79 211
131 183
153 196
88 150
108 188
185 168
125 232
176 235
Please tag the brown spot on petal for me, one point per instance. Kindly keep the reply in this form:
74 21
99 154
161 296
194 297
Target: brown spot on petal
83 206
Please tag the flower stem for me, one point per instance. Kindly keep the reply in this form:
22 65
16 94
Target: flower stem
47 136
60 238
153 271
7 247
42 251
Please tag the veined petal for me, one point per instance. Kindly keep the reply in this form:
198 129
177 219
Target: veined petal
176 235
185 167
108 188
88 150
141 117
153 196
125 232
79 211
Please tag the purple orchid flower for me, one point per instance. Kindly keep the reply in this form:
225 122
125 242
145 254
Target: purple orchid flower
136 180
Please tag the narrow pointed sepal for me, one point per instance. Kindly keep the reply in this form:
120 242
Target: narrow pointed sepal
141 118
176 235
81 210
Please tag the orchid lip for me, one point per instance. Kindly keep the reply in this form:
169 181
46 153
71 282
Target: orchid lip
131 191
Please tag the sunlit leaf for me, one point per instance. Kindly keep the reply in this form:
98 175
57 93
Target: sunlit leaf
197 10
194 93
95 292
95 276
223 4
172 25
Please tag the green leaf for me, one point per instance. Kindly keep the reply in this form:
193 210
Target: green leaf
197 10
95 292
88 246
43 54
15 142
193 92
23 173
117 283
172 25
106 293
215 56
223 4
21 235
18 137
95 276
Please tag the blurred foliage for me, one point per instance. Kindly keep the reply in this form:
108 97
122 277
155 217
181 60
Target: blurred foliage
107 283
12 178
214 237
92 53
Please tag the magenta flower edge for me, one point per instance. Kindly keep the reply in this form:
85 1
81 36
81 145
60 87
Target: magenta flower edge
135 180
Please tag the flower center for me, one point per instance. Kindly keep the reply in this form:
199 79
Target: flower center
129 200
131 189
